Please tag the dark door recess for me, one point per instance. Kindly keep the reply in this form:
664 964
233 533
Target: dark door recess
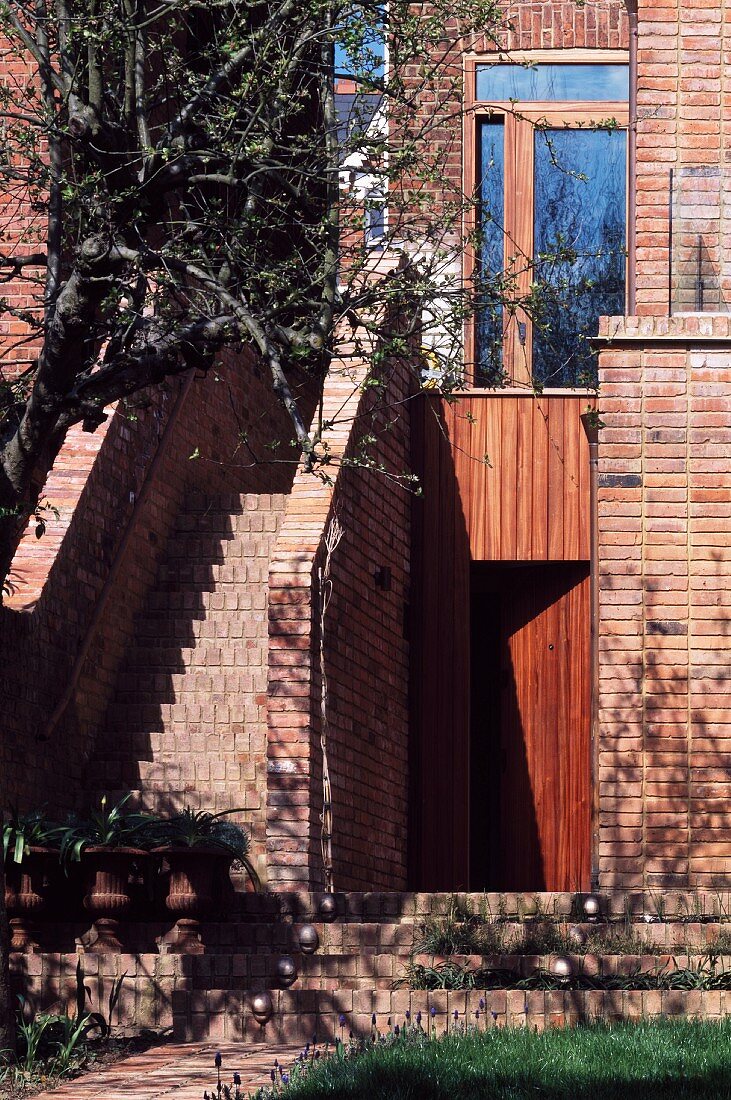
530 771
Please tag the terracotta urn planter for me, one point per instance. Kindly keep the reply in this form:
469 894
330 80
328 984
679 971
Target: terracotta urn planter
26 895
196 877
107 894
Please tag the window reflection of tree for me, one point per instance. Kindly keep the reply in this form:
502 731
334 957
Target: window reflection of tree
488 289
579 249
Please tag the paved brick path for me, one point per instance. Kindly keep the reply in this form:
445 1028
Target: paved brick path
178 1071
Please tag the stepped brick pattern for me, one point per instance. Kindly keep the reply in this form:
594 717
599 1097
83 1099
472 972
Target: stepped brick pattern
187 725
362 956
664 529
366 650
131 489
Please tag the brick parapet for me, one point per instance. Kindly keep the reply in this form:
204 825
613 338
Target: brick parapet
664 529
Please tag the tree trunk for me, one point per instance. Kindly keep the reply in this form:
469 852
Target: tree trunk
14 514
7 1016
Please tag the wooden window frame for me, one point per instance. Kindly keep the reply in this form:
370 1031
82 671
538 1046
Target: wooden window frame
519 184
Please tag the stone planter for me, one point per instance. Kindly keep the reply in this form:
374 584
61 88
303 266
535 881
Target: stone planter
196 877
26 895
107 894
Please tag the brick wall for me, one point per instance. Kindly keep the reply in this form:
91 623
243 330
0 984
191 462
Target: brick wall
187 720
366 657
664 525
683 120
40 643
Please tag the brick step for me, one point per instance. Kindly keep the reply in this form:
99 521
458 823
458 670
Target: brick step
197 504
205 578
208 652
213 549
245 538
173 624
199 602
172 794
157 991
258 970
153 745
328 1015
693 909
139 718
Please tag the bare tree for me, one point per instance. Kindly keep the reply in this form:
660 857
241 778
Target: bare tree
194 187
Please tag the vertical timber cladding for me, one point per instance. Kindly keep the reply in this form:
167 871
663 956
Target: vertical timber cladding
506 479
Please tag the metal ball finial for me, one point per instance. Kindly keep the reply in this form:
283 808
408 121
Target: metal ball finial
592 907
286 971
328 907
308 939
262 1008
562 967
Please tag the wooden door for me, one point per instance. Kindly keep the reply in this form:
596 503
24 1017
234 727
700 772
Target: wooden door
530 728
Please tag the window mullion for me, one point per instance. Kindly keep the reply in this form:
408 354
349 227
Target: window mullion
521 247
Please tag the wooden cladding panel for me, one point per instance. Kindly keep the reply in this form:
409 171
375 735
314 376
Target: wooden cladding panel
545 785
521 468
530 503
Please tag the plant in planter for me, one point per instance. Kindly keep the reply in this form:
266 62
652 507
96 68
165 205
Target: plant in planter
200 848
29 856
108 843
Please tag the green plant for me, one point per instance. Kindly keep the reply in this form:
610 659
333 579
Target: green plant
449 975
113 828
31 1036
201 829
83 994
50 1045
24 831
655 1060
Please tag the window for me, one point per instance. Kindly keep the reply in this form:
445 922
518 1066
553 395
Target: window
550 168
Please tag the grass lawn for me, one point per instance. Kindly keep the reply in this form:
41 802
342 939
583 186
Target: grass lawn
641 1061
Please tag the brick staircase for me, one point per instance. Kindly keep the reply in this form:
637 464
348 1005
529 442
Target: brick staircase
187 723
354 973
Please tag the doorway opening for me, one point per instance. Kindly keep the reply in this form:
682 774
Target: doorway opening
530 697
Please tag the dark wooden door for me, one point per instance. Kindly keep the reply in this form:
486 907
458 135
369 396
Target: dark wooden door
530 728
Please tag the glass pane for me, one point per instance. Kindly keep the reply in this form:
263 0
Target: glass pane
500 83
579 243
492 224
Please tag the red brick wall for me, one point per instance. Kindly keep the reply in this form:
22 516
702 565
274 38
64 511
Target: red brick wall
665 603
39 647
684 119
366 660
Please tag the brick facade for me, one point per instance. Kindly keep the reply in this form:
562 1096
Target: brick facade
665 602
366 655
197 575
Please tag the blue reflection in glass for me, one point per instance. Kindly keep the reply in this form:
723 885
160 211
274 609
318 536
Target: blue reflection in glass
492 234
500 83
579 248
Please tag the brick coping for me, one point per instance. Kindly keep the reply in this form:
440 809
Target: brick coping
679 328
